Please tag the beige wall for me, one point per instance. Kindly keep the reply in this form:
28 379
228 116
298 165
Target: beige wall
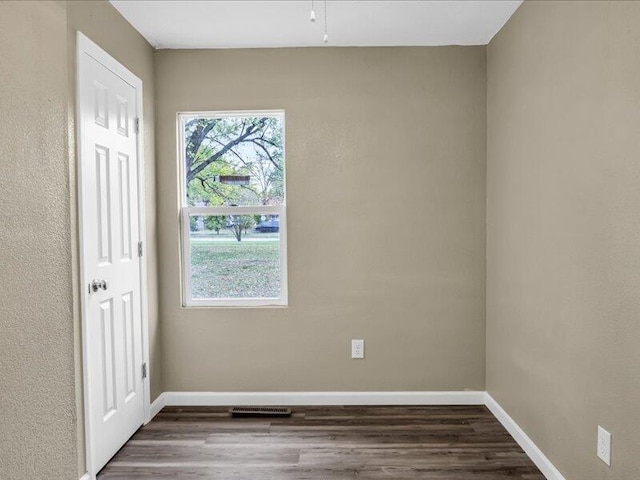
41 426
37 393
563 223
386 193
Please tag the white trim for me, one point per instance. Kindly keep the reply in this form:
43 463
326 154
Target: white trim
142 229
322 398
85 46
157 405
239 210
530 448
86 476
231 113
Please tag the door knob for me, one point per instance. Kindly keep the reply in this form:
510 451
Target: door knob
98 285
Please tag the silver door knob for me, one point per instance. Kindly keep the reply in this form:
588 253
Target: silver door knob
98 285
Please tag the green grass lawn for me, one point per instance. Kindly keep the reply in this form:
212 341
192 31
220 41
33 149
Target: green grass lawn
225 268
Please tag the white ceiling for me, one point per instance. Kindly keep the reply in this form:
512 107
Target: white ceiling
285 23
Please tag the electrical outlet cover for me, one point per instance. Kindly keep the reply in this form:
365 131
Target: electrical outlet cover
357 348
604 445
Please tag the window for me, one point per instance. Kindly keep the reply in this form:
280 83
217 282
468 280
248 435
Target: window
234 224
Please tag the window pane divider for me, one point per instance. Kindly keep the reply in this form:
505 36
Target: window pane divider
239 210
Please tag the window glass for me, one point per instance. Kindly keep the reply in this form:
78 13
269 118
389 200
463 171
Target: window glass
235 256
234 160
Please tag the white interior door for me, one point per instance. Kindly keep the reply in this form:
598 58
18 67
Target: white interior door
109 223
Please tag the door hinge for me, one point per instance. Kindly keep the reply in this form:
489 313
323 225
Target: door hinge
140 249
144 370
137 125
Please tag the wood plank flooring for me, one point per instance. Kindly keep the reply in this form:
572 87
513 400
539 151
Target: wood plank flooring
323 443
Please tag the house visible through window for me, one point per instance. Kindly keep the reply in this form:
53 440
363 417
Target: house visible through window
233 208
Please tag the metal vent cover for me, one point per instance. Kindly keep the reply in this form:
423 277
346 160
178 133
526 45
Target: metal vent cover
260 411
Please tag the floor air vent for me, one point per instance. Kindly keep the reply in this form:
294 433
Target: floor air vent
260 412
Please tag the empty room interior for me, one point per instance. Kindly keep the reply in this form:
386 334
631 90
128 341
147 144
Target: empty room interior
320 240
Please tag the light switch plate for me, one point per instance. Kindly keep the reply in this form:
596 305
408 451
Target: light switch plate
604 445
357 348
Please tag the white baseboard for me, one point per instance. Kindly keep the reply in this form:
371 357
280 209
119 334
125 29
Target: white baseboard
533 452
321 398
86 476
157 405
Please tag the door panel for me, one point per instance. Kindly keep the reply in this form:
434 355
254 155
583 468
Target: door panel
110 232
103 201
108 358
125 206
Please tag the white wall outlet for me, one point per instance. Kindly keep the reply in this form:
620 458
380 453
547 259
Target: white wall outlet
357 348
604 445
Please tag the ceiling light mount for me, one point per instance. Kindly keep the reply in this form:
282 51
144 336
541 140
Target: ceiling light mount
325 39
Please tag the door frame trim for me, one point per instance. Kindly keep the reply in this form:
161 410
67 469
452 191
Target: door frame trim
84 46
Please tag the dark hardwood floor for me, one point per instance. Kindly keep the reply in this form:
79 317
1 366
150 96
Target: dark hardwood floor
324 443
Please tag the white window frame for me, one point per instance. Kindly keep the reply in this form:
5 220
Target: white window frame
187 211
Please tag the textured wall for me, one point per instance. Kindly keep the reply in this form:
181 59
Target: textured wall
41 427
563 223
386 193
37 393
